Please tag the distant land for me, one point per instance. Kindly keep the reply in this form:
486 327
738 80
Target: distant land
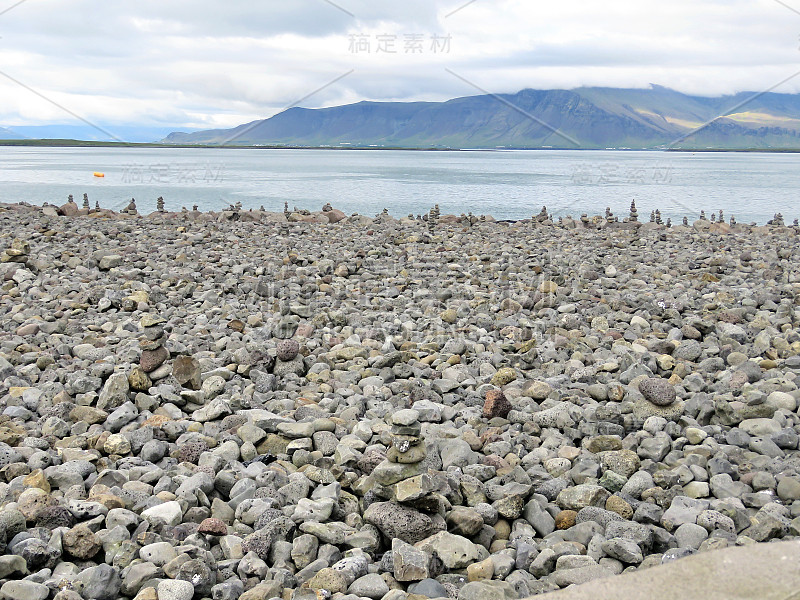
584 118
87 133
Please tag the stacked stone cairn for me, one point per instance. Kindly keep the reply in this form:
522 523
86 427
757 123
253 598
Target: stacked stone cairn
160 204
154 353
86 201
634 216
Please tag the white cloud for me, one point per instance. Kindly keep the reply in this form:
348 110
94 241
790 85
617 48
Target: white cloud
205 63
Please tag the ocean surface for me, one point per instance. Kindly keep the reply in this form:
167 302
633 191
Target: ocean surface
505 184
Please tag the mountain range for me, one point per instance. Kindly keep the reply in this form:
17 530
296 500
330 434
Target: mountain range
583 118
106 133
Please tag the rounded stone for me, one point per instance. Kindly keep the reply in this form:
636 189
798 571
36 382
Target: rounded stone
658 391
175 589
287 350
566 519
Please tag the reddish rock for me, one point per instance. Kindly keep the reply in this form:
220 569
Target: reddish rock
496 405
70 209
334 216
152 359
213 527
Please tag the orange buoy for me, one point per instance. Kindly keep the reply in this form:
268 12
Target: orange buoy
99 174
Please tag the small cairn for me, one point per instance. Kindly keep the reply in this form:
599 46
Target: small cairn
634 216
721 218
431 221
86 202
97 205
777 221
703 215
160 204
585 220
286 212
17 253
542 216
713 218
262 209
327 208
652 216
796 223
400 476
669 223
733 220
154 354
658 218
685 221
131 208
609 215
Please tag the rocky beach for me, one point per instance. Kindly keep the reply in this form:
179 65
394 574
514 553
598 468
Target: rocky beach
310 405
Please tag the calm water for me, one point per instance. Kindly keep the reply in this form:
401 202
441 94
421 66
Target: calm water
508 185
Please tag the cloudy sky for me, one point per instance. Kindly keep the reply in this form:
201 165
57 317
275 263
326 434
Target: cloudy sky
209 63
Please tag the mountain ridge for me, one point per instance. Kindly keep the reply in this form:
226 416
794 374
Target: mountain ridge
589 118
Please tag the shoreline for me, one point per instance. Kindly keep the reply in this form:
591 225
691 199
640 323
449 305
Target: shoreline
329 215
92 144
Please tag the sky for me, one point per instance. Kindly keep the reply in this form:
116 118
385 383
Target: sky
208 63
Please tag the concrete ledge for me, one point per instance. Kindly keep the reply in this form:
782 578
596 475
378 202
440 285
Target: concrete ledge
759 572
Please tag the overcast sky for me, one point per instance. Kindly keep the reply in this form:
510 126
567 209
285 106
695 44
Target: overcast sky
209 63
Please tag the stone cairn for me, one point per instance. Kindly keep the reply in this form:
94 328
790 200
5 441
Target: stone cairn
286 212
796 223
154 354
17 253
669 223
721 216
160 204
634 216
400 475
97 205
703 215
733 220
433 219
131 208
713 218
542 216
86 201
194 208
685 221
585 220
609 215
652 216
327 207
658 218
777 221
